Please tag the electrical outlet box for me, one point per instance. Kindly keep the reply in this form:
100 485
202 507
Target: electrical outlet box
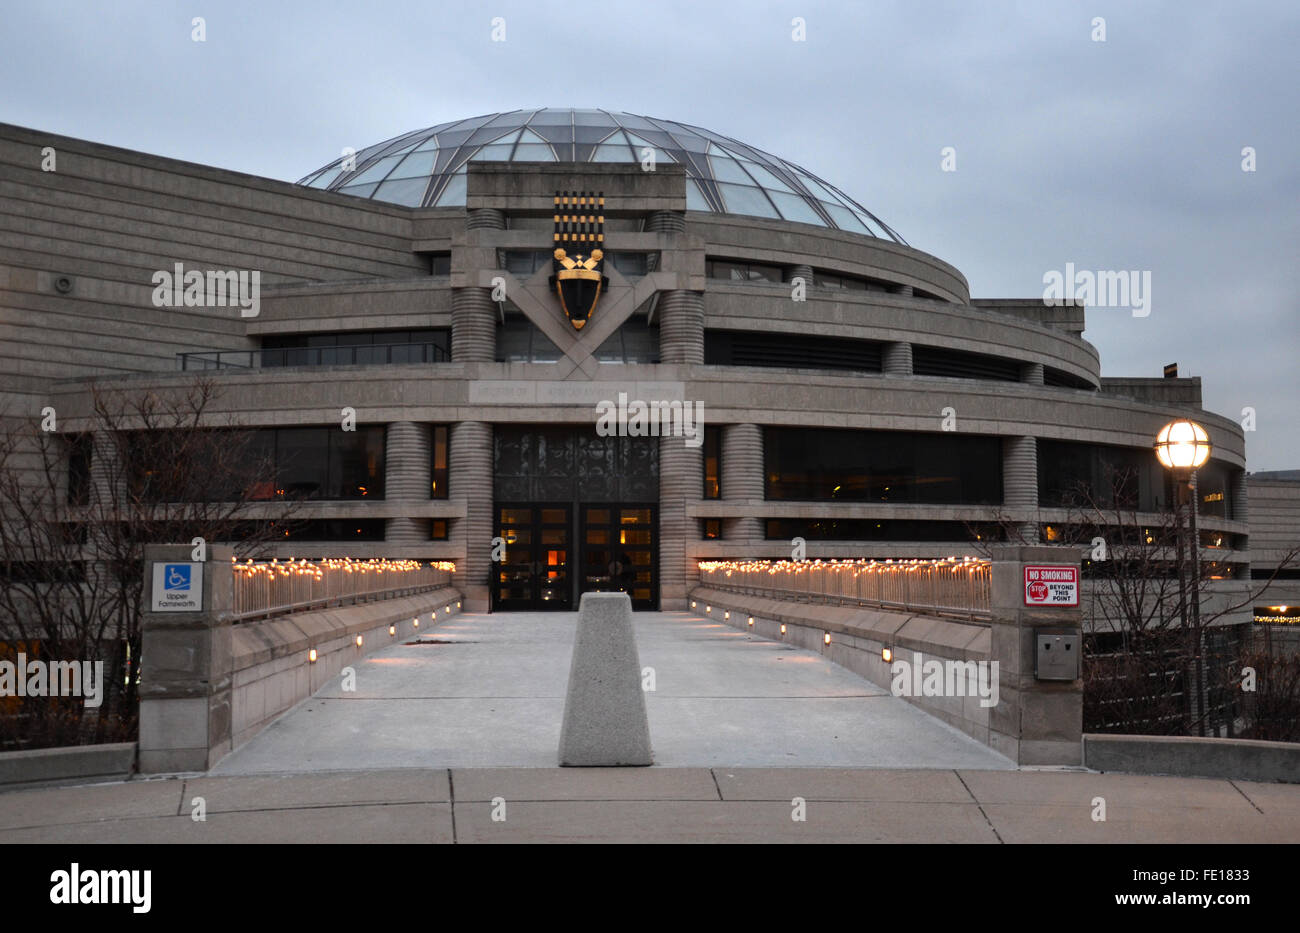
1057 657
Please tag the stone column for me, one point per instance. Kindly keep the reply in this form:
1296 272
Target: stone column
681 480
1032 373
802 272
485 218
742 477
185 691
469 467
905 291
681 327
1020 483
473 325
666 222
1034 722
897 359
407 474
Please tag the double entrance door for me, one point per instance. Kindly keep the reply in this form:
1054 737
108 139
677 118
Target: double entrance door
556 552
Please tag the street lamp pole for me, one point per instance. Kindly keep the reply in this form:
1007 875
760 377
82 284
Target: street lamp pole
1182 447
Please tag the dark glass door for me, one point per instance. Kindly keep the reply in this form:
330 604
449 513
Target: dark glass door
535 572
619 552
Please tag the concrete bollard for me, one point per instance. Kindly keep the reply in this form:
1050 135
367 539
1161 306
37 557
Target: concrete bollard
605 722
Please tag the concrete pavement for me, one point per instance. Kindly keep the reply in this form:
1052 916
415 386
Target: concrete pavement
480 805
488 691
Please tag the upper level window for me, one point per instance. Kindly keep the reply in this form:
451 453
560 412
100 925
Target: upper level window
524 262
350 348
520 341
633 342
742 271
440 264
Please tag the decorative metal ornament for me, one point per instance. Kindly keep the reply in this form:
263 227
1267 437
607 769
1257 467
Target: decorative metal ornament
578 261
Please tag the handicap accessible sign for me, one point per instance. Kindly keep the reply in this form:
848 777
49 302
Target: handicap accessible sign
177 587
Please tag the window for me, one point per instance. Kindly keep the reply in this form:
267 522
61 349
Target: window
440 263
80 452
712 461
524 262
817 464
358 347
327 463
633 342
438 529
438 469
711 528
520 341
883 529
1072 475
633 265
742 271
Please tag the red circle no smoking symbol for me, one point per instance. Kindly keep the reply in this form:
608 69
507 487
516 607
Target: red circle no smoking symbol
1038 591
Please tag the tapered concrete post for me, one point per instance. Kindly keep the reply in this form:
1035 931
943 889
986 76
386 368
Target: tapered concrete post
186 663
605 723
1035 721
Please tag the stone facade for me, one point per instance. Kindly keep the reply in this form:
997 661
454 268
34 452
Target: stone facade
75 286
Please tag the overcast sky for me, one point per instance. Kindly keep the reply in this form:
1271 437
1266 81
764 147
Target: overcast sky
1115 155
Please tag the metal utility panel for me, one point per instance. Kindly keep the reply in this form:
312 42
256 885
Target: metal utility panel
1057 657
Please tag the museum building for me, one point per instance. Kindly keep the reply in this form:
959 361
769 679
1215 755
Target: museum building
476 291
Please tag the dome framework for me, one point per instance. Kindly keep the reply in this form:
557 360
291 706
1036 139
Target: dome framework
427 167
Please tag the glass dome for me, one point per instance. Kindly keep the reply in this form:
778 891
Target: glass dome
426 168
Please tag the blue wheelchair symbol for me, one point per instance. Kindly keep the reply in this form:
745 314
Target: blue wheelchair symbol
176 577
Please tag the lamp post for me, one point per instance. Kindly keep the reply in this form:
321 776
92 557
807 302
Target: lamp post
1182 447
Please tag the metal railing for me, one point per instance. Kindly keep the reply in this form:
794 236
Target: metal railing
264 588
955 586
353 355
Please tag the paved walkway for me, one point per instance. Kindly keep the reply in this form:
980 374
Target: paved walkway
454 740
658 805
488 691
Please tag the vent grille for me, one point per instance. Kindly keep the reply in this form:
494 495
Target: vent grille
791 351
957 364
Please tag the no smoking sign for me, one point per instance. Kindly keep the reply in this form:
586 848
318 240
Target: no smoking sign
1051 585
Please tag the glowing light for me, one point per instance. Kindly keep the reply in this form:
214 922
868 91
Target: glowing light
1182 445
886 655
826 639
392 630
358 641
311 656
782 628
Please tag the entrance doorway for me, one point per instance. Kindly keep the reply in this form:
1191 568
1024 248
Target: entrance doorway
534 573
619 553
578 512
